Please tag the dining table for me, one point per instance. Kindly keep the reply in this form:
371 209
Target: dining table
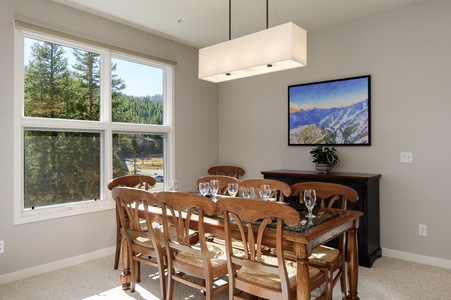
301 239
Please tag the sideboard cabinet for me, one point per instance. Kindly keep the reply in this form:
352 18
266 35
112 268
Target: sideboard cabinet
366 185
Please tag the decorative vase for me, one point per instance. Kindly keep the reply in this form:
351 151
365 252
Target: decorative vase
323 168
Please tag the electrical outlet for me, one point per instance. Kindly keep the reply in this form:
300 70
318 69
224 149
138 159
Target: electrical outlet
422 230
406 157
2 246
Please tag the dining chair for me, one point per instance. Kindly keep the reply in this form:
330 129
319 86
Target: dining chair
139 181
330 260
223 181
250 271
281 189
145 240
187 259
227 171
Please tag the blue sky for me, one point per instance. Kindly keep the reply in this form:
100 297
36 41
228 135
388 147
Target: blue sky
140 79
329 94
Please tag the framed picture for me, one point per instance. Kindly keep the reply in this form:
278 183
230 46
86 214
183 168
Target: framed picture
334 112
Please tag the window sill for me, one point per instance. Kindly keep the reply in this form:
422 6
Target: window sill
61 211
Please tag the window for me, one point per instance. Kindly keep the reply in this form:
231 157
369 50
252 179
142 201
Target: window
84 114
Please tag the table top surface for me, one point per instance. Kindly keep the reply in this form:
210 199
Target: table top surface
327 225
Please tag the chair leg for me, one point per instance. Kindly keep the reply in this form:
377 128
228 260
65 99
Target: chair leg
343 281
170 288
118 252
118 243
329 284
208 289
138 271
133 276
161 269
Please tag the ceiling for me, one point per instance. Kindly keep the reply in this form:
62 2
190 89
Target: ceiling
201 23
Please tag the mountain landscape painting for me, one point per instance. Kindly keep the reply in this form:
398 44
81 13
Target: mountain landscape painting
335 112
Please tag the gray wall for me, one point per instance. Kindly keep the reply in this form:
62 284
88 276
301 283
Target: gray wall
67 240
407 53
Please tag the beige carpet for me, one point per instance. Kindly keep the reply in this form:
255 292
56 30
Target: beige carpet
387 279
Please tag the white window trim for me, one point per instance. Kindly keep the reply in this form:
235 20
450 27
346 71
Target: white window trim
105 126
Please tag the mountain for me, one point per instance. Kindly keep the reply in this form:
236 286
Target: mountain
337 125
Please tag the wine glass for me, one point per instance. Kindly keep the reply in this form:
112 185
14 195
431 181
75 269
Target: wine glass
252 194
265 191
309 202
245 192
214 188
232 188
204 188
273 195
173 185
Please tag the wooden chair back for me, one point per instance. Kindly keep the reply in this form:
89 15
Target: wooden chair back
281 188
244 213
232 171
185 256
139 181
222 180
328 193
144 240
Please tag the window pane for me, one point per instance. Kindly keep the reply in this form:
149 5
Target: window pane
61 167
60 82
139 154
137 93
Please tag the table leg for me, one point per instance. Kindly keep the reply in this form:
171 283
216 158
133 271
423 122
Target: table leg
125 275
353 264
303 277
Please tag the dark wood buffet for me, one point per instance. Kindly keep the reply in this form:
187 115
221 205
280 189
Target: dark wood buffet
366 185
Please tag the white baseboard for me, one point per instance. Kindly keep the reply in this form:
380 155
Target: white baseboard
22 274
427 260
443 263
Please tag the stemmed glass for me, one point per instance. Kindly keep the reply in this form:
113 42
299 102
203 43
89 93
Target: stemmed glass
232 188
204 188
214 188
252 194
273 194
248 192
173 185
265 191
309 202
245 192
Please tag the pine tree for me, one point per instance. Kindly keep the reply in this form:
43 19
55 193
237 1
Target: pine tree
87 75
46 81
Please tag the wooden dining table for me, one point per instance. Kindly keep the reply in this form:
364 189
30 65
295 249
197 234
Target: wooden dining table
328 224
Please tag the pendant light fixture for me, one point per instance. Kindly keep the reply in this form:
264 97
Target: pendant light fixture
277 48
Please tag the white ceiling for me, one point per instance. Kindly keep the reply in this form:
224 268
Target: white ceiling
201 23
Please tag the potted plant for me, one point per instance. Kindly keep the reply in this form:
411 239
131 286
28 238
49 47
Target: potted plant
324 158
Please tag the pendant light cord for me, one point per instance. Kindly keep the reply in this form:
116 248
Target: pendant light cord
230 20
267 14
230 17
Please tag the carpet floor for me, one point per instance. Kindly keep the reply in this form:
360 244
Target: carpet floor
388 279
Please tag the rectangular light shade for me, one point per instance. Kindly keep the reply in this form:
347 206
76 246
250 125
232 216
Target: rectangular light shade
277 48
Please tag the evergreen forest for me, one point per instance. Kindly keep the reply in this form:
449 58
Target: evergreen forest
63 166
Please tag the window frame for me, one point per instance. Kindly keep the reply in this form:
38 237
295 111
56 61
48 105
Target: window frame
104 125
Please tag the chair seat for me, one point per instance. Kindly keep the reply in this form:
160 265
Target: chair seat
217 254
237 245
323 255
272 281
158 229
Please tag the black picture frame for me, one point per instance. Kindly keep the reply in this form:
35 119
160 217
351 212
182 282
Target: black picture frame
333 112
